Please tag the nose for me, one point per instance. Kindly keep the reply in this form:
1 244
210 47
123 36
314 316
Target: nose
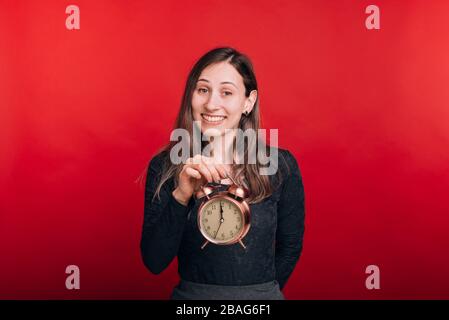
214 102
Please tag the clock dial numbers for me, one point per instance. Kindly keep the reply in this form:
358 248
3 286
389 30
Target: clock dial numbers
221 220
210 219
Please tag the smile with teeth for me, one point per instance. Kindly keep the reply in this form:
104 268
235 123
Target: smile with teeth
212 118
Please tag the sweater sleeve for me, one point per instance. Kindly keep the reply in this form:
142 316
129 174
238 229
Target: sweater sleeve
164 221
290 227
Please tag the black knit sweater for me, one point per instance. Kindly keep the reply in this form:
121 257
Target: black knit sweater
273 243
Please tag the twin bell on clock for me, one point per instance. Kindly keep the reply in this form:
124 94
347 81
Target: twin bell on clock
224 215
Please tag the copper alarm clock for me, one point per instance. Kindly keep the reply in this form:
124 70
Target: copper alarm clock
224 216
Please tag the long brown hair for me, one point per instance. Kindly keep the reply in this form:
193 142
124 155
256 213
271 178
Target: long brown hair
248 174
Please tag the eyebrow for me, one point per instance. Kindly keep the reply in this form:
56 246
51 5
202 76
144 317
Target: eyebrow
224 82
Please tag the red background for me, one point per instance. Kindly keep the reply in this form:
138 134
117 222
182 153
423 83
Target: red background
365 112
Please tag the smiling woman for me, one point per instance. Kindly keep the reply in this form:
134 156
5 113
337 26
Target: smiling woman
220 103
221 96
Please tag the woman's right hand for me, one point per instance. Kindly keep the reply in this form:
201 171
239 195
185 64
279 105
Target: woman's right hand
195 172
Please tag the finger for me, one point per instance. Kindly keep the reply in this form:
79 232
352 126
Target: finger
193 173
219 167
202 168
207 160
196 163
214 172
221 170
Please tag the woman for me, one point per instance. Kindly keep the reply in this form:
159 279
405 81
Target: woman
221 94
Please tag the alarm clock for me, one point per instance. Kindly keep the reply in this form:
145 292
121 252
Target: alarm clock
223 216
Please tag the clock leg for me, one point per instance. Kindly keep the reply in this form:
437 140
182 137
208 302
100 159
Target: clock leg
240 241
204 244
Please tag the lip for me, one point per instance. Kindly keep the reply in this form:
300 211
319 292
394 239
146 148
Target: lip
212 122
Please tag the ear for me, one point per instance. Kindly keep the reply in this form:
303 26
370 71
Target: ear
250 101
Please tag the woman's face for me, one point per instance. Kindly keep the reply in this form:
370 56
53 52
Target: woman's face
219 99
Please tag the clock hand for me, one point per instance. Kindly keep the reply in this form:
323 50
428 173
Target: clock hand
216 232
221 219
221 212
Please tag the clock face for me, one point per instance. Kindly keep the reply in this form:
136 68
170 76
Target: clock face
221 220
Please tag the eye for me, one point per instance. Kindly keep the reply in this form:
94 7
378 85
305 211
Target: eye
202 90
227 93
